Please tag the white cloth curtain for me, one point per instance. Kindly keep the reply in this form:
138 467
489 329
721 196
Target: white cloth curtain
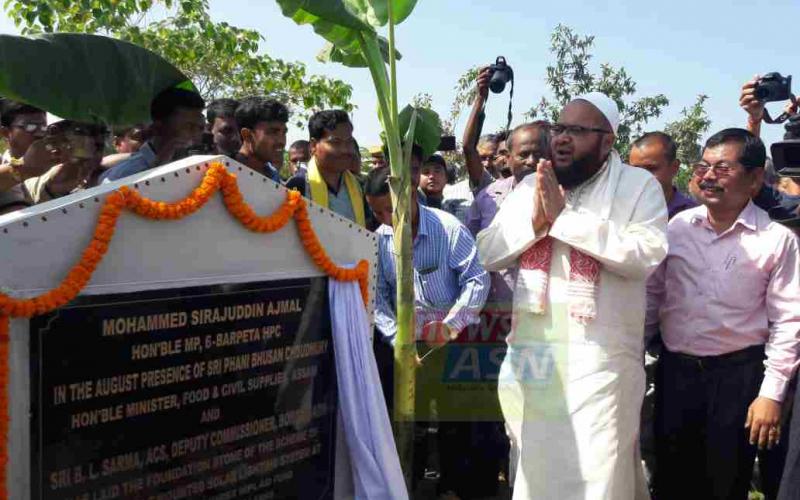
368 432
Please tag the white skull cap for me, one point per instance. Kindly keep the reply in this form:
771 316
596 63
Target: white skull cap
605 105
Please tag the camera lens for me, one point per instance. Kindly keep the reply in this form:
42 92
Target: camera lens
498 82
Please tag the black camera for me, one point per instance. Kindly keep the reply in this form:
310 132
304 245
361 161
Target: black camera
447 143
773 87
501 75
786 153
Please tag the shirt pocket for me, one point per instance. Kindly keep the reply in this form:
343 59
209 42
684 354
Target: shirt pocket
436 287
741 281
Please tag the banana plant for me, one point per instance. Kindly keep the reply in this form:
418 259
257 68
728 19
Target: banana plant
351 30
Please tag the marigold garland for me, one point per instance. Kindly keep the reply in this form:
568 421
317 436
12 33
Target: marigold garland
216 178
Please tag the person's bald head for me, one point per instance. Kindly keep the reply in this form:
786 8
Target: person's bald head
581 141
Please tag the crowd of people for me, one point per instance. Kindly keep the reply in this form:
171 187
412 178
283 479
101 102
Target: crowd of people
641 340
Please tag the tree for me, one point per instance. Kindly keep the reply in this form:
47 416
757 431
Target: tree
686 132
221 60
422 100
571 76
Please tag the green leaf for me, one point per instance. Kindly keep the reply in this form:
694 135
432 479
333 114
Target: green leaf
353 59
86 78
358 15
401 9
343 23
428 130
331 19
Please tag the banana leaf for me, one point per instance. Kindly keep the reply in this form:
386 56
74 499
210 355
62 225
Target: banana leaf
344 22
428 129
353 14
353 59
87 78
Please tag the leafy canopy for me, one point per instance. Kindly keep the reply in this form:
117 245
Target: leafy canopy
571 76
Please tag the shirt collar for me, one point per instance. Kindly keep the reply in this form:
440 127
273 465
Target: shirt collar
501 186
423 229
747 218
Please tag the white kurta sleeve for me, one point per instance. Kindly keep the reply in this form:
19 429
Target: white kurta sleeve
511 232
630 248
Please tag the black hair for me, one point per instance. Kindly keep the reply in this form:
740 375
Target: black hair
326 120
123 130
377 183
665 139
544 138
301 144
221 108
9 110
753 155
254 110
501 136
437 160
168 101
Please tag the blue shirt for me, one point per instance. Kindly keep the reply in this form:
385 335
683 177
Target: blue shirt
142 160
449 283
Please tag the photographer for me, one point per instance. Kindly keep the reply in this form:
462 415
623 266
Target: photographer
479 161
781 204
78 149
23 128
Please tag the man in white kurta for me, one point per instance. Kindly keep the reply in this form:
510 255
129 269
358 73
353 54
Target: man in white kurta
572 384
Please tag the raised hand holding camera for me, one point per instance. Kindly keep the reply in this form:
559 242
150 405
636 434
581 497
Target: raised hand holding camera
750 103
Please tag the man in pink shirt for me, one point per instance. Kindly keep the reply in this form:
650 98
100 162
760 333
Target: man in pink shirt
726 301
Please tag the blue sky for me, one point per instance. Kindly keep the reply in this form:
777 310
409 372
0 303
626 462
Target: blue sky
680 48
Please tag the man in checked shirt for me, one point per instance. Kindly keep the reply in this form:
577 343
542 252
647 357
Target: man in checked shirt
450 289
726 298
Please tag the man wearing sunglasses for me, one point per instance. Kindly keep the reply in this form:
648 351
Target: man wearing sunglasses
725 299
23 127
584 231
77 148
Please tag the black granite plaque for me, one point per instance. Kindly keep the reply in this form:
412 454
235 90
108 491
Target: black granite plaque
214 392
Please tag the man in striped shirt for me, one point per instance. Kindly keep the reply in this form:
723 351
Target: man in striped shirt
450 289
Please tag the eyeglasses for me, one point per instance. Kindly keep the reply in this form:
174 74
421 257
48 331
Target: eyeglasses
700 169
574 130
31 127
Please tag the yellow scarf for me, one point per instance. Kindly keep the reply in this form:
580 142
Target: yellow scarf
319 191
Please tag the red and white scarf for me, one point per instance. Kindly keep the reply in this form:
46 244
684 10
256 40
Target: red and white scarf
584 274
